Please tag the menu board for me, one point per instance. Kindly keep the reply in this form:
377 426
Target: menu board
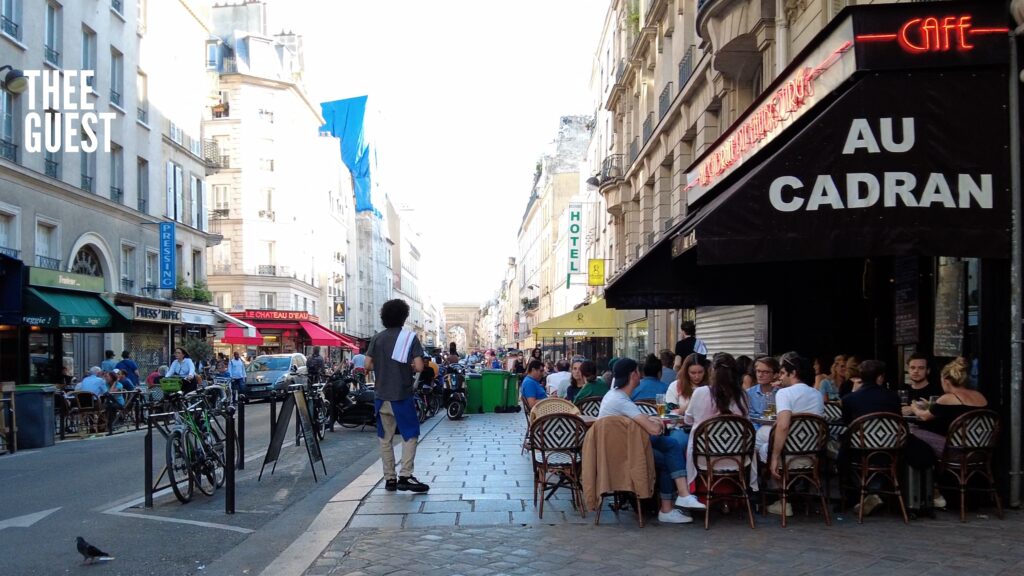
949 309
906 317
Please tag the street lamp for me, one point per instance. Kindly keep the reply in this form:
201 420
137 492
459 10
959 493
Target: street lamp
14 81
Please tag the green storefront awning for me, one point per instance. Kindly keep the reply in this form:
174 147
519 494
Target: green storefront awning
73 311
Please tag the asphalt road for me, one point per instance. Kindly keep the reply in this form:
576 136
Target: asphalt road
97 487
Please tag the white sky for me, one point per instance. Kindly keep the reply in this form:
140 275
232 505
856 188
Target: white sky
469 93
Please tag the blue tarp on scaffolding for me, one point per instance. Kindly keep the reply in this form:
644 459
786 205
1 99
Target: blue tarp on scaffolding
346 120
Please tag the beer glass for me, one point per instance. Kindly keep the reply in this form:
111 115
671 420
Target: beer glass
659 400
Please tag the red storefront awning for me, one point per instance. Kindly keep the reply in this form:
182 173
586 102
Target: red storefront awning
236 335
321 336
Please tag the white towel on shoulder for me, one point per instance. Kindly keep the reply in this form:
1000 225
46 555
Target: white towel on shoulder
402 346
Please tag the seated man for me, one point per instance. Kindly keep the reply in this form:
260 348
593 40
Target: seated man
558 381
669 453
650 385
794 397
532 391
93 382
870 397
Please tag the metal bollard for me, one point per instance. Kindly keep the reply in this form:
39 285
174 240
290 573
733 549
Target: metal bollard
229 464
241 432
149 463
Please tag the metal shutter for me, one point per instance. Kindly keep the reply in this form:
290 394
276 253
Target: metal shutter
728 329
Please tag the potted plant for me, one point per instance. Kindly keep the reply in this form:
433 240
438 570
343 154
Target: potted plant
182 291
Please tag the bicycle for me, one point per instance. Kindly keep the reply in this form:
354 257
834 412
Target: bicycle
196 445
320 408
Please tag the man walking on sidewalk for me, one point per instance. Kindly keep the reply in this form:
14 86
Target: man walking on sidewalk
393 355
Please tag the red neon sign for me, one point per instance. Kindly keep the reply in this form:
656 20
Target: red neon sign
761 123
934 34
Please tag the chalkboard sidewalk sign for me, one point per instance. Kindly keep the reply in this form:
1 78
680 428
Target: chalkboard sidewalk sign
297 401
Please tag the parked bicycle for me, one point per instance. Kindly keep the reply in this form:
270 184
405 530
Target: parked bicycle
196 446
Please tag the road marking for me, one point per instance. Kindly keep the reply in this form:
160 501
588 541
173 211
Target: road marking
119 510
26 520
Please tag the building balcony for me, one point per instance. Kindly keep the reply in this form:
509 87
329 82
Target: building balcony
530 304
143 204
47 262
273 270
10 27
117 194
611 168
267 215
634 150
53 169
686 68
648 126
115 97
143 115
86 182
117 5
8 150
51 56
731 28
222 268
220 213
9 252
127 285
664 101
212 156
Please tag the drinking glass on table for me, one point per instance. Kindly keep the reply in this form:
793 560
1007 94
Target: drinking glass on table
769 405
904 397
659 400
932 401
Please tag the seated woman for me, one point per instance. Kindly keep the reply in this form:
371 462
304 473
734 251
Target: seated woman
724 395
688 379
957 401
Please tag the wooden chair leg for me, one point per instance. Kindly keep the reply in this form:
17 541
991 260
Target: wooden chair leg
710 496
543 484
899 494
639 510
597 518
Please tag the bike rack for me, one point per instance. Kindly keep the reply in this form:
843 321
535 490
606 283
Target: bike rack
160 422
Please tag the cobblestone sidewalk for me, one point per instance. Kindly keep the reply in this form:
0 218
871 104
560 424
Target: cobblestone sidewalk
479 519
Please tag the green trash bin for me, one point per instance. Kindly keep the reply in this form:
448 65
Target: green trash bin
36 421
493 388
474 393
512 392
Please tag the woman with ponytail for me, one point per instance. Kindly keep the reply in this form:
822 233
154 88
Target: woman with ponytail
957 400
723 395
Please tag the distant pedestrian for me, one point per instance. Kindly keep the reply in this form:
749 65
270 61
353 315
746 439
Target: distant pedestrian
689 344
389 357
109 363
236 371
130 368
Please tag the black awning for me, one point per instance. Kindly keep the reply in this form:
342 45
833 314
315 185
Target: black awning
901 164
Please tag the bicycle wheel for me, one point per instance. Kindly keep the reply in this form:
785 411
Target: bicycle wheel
421 410
320 418
220 462
179 467
202 466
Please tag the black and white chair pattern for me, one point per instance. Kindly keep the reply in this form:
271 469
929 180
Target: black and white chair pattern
590 406
834 418
875 445
723 453
970 444
556 449
801 459
648 407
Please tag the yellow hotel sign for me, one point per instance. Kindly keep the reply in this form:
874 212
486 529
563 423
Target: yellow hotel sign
595 272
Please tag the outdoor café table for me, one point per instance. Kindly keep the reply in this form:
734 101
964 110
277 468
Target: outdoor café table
763 421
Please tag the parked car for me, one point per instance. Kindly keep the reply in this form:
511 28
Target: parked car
271 375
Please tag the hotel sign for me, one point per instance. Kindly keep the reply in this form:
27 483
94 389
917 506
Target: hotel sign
157 314
575 238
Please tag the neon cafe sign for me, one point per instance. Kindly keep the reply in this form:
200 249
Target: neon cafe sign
919 35
934 34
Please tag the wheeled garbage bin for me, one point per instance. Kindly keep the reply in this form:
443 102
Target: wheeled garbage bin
493 388
36 421
474 393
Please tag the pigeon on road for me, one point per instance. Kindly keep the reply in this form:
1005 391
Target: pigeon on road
90 552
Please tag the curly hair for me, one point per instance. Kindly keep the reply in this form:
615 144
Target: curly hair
394 313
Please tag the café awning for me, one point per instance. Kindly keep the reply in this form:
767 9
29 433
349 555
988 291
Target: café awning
72 311
237 335
321 336
592 320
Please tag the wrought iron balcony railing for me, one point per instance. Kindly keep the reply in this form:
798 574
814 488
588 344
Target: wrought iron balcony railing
9 252
8 150
10 27
611 167
47 262
664 101
53 169
52 56
86 182
648 126
686 68
117 194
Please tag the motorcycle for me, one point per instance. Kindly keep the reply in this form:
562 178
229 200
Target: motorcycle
353 401
454 394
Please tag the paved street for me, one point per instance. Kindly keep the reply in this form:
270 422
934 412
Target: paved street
97 484
479 519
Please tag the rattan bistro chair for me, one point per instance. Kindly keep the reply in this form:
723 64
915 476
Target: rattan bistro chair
556 449
648 407
590 406
802 459
968 452
549 406
874 447
723 452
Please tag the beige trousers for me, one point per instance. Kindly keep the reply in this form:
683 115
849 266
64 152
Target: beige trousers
387 451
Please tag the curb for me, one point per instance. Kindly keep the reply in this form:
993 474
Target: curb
331 521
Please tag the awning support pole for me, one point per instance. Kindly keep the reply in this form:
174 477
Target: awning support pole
1015 275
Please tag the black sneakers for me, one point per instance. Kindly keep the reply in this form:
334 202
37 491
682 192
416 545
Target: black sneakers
391 484
411 484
